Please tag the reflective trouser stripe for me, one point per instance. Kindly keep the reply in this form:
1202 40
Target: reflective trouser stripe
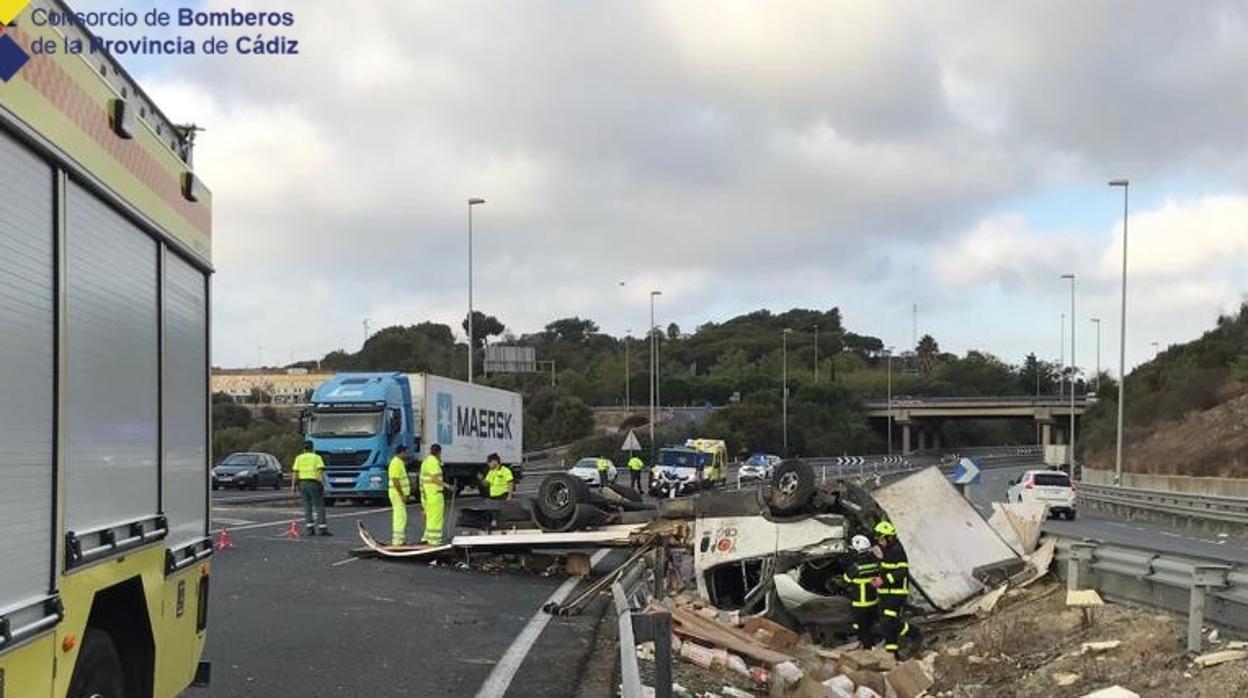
891 613
862 604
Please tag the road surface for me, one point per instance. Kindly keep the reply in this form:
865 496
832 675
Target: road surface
1100 526
301 617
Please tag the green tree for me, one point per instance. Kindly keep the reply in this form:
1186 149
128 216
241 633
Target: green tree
483 327
572 329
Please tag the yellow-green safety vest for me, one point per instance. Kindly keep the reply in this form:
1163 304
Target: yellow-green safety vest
497 479
307 466
397 470
430 467
635 463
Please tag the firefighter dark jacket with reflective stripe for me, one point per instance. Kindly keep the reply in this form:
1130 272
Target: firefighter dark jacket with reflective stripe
864 567
895 569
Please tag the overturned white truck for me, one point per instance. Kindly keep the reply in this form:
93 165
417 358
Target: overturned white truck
781 551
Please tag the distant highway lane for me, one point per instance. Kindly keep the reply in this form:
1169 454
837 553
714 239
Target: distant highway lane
1101 526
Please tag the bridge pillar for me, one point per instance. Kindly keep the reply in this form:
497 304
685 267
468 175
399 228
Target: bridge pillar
905 439
1059 436
935 440
1046 434
922 439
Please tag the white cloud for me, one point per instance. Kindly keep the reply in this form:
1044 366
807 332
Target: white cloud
736 155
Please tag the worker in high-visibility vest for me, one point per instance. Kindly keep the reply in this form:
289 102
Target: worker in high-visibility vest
863 567
893 584
432 496
635 468
399 490
499 482
308 479
604 467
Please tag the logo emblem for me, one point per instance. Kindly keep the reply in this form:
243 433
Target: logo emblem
12 57
446 419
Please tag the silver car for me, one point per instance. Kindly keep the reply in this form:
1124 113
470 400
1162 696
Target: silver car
587 469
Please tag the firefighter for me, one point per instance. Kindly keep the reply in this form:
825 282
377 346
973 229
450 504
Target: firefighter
309 478
893 584
635 468
499 482
432 497
604 467
399 490
863 568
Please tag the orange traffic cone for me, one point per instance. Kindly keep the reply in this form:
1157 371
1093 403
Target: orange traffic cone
292 531
223 539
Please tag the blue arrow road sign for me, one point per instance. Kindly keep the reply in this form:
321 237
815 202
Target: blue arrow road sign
967 472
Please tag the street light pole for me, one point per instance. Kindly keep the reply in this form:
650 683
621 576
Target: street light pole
784 399
889 352
654 364
1061 361
816 353
1122 332
471 202
1097 321
1073 369
628 405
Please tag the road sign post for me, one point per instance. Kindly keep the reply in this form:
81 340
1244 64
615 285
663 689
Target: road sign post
966 473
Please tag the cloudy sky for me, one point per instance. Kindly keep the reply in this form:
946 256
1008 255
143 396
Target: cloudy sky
735 155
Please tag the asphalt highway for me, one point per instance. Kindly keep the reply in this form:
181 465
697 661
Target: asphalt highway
1095 525
301 617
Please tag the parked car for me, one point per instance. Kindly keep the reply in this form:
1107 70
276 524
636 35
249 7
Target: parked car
586 469
758 467
1053 487
247 471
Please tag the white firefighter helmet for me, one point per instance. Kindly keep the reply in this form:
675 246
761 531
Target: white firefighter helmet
860 543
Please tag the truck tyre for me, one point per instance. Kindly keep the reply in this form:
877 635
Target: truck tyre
98 670
791 487
559 494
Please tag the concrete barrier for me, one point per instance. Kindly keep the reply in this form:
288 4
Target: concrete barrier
1214 486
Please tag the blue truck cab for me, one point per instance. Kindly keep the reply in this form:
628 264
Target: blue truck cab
355 422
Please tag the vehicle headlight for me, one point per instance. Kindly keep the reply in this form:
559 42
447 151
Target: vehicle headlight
243 473
374 480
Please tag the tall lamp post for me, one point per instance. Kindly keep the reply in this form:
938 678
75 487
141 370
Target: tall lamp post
816 353
1061 361
889 352
628 403
654 365
1122 332
1097 322
471 202
1072 371
784 380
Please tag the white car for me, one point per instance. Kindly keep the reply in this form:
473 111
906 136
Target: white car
587 470
758 467
1051 487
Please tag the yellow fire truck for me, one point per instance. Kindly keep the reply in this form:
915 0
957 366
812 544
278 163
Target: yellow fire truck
104 402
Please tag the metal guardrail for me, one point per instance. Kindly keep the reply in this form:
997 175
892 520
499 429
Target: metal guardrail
635 628
1196 506
916 401
1203 589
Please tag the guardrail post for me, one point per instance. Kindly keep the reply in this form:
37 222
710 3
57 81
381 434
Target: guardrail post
657 628
1204 578
660 572
1079 557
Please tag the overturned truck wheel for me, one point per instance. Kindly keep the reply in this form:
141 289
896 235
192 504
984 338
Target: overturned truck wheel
559 494
792 485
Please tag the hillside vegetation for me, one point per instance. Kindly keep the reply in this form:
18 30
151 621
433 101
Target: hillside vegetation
734 365
1185 412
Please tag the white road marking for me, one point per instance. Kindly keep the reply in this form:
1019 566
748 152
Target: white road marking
298 516
499 680
343 562
228 521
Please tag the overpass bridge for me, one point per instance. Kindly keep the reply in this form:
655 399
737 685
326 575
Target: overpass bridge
921 417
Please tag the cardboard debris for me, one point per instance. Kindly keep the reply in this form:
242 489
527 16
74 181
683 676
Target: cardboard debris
908 679
1215 658
870 680
771 634
981 606
712 632
732 692
1112 692
1065 679
1027 518
1000 523
787 673
1102 646
1039 561
1236 645
875 659
1084 598
839 687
